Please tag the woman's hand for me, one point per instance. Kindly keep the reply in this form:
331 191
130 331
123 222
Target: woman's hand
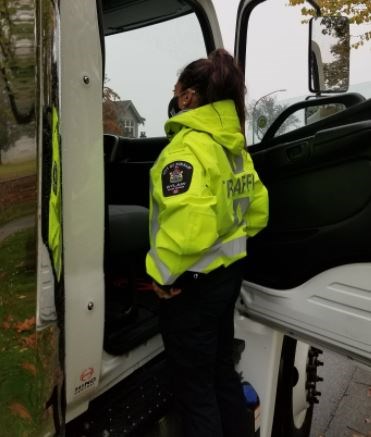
165 294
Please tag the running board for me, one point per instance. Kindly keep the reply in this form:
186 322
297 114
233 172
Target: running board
129 407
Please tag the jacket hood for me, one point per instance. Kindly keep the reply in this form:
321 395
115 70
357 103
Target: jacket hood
218 119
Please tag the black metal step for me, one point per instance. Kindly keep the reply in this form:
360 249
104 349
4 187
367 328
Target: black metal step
129 407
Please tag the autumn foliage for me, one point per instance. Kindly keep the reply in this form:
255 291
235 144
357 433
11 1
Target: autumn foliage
358 12
110 116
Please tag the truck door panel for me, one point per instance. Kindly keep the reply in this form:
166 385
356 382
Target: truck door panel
320 206
308 273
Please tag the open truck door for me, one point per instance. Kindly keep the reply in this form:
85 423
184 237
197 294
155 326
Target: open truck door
307 279
308 273
112 132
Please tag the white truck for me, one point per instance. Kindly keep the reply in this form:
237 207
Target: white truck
80 349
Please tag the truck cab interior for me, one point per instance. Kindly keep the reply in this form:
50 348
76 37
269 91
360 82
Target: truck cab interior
131 305
317 174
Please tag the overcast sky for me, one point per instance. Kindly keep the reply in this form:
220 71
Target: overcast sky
142 65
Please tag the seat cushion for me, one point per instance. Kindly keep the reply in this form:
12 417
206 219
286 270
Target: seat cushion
128 230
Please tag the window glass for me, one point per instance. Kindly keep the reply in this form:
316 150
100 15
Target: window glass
142 67
277 62
276 66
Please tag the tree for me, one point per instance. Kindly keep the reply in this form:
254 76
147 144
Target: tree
17 71
5 141
17 58
111 122
336 70
268 109
358 12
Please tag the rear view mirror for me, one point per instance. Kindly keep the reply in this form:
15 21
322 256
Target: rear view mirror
329 49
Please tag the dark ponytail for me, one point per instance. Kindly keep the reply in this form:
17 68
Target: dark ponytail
216 78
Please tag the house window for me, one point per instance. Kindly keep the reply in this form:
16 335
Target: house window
129 128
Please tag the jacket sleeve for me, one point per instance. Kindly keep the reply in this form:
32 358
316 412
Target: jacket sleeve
183 222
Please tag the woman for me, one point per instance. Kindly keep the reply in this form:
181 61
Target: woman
206 200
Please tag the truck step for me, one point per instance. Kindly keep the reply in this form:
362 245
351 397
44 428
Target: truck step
129 407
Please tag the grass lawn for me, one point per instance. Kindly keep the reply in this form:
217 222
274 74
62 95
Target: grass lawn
10 171
16 211
24 375
16 202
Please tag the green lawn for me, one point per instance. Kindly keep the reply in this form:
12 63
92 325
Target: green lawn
9 171
24 378
10 212
16 211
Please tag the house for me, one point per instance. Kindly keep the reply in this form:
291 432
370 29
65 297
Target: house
129 118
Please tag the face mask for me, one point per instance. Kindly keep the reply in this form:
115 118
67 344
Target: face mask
173 107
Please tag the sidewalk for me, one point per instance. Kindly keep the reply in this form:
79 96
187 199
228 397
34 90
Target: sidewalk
345 405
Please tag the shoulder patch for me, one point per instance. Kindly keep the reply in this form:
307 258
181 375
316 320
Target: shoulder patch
176 178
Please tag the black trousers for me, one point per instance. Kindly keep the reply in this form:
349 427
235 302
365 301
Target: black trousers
197 328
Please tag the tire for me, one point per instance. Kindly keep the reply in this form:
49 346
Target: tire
296 385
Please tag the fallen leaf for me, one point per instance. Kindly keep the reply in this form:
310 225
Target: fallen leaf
7 323
29 341
26 325
20 411
29 367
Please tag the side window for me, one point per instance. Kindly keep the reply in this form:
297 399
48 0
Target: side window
142 68
277 63
276 66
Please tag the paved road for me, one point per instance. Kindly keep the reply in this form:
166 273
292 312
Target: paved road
15 226
345 405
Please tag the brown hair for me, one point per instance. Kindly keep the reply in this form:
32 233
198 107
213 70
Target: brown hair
216 78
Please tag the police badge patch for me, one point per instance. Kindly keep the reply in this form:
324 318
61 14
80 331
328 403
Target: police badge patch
176 178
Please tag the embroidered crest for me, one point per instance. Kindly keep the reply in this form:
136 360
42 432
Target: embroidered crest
176 178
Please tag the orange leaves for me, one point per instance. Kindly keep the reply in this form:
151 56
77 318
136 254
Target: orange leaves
29 367
23 326
358 11
26 325
20 410
30 341
7 322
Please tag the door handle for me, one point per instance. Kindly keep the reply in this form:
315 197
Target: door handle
297 152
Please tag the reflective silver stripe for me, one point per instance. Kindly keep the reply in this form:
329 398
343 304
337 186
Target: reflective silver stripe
166 275
154 222
228 249
244 205
236 163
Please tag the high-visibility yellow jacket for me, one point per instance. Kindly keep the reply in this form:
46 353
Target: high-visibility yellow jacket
205 198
